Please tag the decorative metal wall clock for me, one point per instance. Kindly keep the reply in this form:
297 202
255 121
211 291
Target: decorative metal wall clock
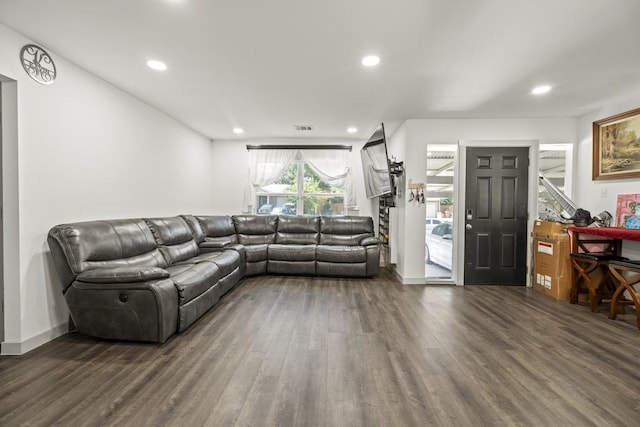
38 64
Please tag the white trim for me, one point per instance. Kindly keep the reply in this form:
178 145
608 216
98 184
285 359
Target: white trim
409 280
10 213
18 348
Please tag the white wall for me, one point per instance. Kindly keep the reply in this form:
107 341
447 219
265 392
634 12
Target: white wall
230 172
421 133
85 150
601 195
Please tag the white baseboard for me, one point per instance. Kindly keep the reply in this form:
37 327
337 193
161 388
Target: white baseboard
409 280
414 281
18 348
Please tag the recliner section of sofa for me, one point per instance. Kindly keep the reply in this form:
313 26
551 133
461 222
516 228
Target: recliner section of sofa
294 249
216 234
137 279
114 280
347 247
146 279
200 278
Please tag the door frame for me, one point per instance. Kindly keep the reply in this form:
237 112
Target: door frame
1 230
532 191
10 275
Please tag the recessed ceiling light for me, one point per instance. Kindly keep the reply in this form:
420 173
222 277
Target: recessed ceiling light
238 130
156 65
352 130
370 61
539 90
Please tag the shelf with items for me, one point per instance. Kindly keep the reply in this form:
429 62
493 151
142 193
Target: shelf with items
385 202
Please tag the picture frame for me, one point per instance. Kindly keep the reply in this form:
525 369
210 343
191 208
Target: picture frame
616 146
628 211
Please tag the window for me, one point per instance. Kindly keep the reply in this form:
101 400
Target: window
299 180
439 196
554 162
300 191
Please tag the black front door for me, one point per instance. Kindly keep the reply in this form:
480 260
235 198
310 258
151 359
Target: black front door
495 216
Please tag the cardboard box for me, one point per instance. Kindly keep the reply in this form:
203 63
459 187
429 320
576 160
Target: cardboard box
550 229
552 264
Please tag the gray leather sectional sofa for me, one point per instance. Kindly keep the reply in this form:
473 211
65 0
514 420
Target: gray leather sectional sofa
146 279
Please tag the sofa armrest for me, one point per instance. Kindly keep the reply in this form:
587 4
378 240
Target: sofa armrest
214 245
128 274
369 241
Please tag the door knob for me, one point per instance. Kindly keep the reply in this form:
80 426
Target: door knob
468 226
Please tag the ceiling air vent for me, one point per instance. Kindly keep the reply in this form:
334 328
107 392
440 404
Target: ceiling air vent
303 127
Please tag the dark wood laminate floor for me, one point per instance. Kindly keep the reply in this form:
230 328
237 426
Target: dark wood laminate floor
297 351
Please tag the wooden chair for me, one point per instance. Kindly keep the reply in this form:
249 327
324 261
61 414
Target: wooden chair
586 268
627 273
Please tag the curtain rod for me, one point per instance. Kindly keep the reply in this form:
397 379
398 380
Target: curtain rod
299 147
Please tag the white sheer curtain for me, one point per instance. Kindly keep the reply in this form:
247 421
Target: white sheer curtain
265 167
332 166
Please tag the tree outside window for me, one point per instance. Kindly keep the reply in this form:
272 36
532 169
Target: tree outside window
300 191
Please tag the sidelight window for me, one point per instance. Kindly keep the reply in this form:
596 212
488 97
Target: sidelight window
439 211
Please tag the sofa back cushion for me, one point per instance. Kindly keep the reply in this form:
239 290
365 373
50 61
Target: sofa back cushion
86 245
255 229
174 238
346 230
218 229
298 230
195 227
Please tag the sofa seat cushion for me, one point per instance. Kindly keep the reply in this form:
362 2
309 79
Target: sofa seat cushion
227 261
192 280
341 254
256 252
292 252
256 268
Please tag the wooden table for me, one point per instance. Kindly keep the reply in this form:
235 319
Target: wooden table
609 239
607 234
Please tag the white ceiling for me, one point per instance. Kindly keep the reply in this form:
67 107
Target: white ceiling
266 66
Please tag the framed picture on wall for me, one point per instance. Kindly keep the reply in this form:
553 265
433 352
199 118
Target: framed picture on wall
616 146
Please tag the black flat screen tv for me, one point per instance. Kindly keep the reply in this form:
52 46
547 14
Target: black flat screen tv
375 165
